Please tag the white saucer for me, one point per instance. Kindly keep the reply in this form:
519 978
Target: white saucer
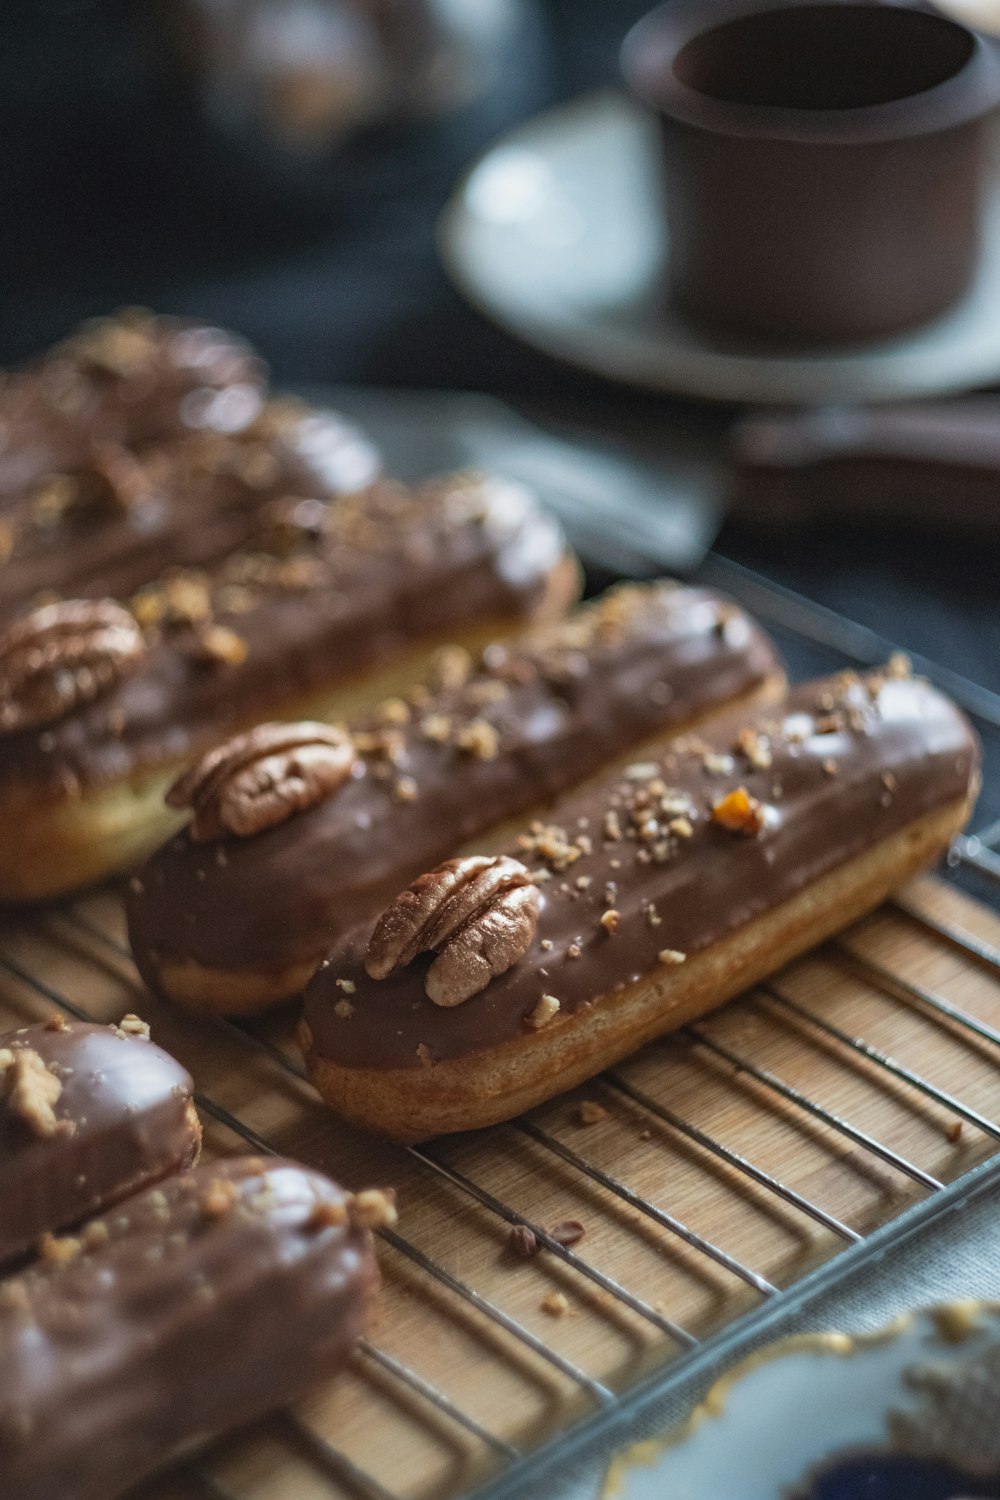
558 234
926 1387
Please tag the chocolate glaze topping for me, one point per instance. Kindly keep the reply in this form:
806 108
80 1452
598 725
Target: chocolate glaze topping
640 871
132 378
118 517
121 1118
534 716
324 591
192 1308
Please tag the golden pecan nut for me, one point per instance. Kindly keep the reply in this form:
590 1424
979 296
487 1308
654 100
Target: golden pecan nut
261 778
478 914
63 656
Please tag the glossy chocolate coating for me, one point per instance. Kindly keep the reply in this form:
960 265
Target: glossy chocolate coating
934 462
824 162
183 502
126 1116
201 1304
131 379
852 761
562 701
348 585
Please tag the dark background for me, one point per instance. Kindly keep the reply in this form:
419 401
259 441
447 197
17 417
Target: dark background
113 190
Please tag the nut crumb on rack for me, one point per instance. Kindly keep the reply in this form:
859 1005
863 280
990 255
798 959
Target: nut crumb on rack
568 1232
556 1304
522 1241
589 1112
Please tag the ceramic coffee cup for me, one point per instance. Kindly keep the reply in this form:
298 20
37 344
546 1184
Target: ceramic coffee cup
824 162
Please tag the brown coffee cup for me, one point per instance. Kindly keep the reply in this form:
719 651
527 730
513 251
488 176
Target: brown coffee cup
824 162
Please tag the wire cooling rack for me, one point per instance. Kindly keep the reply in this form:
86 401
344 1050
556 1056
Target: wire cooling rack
806 1060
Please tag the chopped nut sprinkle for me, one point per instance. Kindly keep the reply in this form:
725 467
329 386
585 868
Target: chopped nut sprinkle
218 1198
131 1025
611 920
218 645
671 956
58 1251
545 1010
373 1208
436 728
739 812
31 1091
642 770
479 738
755 747
589 1112
94 1234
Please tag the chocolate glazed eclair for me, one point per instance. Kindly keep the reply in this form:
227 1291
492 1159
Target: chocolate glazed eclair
120 517
127 380
88 1115
193 1308
648 899
333 603
300 832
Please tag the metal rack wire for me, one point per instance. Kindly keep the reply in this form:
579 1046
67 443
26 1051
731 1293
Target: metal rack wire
503 1461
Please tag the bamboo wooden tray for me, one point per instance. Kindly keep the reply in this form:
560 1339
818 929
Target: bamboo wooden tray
729 1160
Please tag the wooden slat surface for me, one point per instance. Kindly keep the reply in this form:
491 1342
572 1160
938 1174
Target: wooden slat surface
413 1444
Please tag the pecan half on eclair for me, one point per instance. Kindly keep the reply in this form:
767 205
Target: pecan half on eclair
260 778
63 656
478 915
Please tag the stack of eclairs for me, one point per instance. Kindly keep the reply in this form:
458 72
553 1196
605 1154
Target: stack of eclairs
358 743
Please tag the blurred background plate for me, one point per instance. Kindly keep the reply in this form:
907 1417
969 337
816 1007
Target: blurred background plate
908 1413
559 235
